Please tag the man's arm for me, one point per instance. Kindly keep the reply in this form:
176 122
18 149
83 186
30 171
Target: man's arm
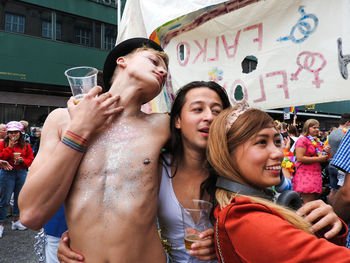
341 161
295 120
52 172
341 203
50 176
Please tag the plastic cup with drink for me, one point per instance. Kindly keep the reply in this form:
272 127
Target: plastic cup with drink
15 156
195 217
81 81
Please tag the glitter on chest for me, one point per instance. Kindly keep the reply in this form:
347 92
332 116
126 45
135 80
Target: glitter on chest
121 158
116 145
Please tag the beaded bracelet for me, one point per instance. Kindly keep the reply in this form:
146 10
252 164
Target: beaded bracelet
74 141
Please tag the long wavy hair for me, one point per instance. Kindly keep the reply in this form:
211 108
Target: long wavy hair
222 143
175 143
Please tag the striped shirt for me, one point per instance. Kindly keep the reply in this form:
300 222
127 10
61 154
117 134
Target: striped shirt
341 159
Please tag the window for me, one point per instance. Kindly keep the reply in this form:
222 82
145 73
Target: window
83 36
14 23
46 30
109 42
110 37
58 31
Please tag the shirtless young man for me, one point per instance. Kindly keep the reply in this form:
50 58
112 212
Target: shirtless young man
110 192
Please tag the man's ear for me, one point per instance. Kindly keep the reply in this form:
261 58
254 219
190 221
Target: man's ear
177 122
121 62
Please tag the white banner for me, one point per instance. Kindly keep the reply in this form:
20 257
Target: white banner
142 17
302 49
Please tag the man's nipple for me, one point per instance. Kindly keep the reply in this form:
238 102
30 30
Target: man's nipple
146 161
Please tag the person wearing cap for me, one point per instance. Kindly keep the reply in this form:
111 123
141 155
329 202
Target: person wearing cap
19 156
101 159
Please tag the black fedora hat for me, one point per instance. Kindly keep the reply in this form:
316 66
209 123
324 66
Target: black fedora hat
122 49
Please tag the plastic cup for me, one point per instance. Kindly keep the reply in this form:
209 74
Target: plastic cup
195 218
81 81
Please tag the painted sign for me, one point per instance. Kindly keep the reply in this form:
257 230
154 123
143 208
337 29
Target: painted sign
302 51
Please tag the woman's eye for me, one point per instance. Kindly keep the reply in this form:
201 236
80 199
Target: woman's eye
278 142
197 109
261 142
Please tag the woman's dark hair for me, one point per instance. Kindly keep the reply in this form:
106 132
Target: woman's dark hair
21 141
175 144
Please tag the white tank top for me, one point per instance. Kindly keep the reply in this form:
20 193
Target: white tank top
170 218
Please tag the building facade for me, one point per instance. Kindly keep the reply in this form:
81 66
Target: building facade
39 40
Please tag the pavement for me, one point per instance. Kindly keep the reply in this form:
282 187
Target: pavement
17 246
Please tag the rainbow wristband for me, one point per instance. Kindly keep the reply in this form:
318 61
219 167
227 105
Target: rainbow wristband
74 141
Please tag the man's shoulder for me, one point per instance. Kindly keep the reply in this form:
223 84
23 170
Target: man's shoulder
159 117
57 118
59 113
160 122
336 131
336 134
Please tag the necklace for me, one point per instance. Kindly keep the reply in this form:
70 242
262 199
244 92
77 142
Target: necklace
317 144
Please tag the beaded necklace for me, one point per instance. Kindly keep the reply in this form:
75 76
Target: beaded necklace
316 142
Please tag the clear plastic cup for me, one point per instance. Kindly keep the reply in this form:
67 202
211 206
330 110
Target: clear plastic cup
81 81
195 218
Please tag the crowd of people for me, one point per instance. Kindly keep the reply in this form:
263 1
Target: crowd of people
122 175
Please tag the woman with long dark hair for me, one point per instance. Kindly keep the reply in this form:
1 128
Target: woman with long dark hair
185 175
19 156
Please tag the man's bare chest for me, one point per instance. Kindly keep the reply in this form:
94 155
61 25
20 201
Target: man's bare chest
124 156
